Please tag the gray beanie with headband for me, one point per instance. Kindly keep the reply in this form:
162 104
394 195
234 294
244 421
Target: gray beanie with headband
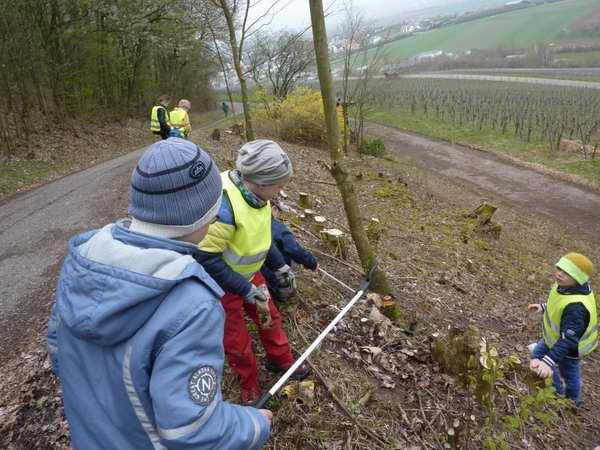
175 189
264 162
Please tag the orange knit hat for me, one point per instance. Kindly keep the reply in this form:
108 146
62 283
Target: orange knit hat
577 266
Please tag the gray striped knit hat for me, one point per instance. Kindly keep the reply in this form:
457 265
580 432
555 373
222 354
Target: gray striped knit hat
175 189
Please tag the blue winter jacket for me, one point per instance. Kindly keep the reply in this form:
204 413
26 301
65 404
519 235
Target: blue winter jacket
573 323
136 338
285 242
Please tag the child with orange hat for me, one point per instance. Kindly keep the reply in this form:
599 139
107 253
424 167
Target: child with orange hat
570 326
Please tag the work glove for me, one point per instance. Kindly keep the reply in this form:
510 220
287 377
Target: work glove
286 282
542 369
259 296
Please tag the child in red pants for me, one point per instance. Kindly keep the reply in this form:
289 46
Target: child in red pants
233 252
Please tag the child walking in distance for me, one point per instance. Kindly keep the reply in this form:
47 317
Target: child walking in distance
233 252
136 332
180 119
291 251
160 122
570 326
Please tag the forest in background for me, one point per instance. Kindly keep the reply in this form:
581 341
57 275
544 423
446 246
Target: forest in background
66 61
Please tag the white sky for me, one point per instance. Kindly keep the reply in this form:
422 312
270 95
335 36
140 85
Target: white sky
295 14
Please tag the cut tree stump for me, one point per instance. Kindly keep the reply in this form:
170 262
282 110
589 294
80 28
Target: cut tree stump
319 224
480 221
309 214
304 200
239 129
336 240
216 135
483 213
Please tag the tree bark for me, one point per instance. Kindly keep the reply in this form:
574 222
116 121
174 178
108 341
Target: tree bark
236 53
339 171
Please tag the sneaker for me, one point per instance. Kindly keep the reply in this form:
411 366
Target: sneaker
299 374
249 396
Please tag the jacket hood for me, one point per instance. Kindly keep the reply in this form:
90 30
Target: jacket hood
113 280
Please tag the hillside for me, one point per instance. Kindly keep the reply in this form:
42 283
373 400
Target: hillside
376 383
521 28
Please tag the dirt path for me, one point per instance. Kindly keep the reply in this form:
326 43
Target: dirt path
565 202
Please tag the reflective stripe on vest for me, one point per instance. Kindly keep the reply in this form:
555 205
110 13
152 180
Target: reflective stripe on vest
154 123
248 249
554 310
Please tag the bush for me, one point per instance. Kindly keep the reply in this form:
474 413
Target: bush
297 119
373 147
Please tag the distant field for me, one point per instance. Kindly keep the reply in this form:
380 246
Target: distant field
522 28
591 74
549 125
578 58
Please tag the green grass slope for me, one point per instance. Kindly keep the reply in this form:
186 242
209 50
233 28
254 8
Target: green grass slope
522 28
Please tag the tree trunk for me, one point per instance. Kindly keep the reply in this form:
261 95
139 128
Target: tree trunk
223 67
235 51
339 171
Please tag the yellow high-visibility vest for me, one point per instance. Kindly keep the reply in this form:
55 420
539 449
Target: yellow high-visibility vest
154 123
248 249
179 119
554 310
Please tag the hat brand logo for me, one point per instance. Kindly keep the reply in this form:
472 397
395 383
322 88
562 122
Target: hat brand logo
197 170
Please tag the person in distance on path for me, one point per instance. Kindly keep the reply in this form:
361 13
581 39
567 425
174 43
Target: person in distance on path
159 117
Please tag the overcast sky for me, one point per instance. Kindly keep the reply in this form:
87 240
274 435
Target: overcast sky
295 14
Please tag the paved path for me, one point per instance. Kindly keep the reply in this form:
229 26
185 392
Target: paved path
34 228
566 202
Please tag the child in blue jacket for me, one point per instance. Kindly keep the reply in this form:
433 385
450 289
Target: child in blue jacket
291 251
136 332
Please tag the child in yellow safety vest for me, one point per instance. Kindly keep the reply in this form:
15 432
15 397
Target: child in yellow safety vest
570 326
180 118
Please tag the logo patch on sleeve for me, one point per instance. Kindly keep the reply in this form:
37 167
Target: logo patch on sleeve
202 385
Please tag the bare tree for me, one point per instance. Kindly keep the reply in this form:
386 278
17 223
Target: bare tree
339 170
280 58
231 9
350 33
225 68
361 62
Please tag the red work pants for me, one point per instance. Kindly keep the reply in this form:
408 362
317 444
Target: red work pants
237 342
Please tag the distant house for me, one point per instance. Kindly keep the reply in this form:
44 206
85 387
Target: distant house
429 55
517 3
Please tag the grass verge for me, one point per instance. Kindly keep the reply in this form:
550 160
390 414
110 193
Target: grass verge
66 151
